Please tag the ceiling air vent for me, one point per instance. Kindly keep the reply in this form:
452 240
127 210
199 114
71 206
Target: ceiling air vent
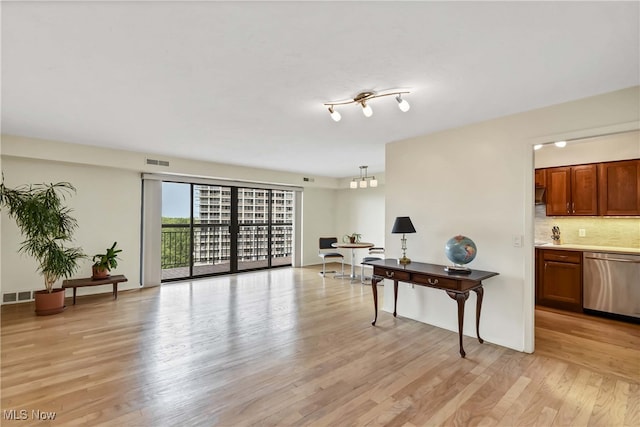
305 179
157 162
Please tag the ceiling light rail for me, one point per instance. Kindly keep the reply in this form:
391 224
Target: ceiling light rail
362 98
559 144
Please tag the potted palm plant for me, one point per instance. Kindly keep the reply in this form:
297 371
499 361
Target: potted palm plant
47 227
103 263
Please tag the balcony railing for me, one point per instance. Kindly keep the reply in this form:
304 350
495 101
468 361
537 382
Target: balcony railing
212 248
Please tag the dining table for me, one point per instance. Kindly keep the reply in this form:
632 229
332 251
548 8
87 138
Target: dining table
353 246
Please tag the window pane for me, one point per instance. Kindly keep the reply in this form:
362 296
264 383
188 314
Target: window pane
176 235
211 204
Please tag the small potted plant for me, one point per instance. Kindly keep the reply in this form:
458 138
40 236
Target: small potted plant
351 238
47 227
103 263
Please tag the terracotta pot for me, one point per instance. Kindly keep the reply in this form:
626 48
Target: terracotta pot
99 273
49 303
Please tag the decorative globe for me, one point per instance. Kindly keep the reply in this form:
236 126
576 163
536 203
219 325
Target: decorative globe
460 250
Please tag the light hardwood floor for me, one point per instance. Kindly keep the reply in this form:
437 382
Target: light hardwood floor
287 347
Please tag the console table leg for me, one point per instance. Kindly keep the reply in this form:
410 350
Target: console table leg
374 289
460 299
479 292
395 298
74 295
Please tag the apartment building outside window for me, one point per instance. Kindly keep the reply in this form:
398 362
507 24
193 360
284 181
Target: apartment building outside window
227 230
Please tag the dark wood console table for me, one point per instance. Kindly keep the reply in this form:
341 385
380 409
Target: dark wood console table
79 283
457 286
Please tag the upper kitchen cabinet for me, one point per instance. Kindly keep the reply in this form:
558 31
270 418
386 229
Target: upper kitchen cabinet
572 190
541 178
619 187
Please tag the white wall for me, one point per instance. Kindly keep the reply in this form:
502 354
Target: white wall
106 205
606 148
477 181
108 202
361 211
336 212
318 220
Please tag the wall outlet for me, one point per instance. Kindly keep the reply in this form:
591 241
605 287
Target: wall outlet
582 232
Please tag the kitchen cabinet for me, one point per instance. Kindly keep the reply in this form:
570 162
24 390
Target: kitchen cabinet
572 190
541 178
559 279
619 187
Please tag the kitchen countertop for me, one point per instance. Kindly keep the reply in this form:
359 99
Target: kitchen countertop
590 248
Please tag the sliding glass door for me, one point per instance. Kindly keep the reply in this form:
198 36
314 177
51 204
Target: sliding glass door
219 229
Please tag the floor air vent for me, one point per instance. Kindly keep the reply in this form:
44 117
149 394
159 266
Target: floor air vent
17 296
23 296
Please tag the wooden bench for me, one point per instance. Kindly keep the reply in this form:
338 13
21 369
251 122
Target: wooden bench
89 281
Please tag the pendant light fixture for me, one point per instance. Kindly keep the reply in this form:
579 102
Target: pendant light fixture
363 181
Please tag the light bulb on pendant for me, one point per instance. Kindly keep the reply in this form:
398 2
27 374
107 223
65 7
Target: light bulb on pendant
353 184
367 111
373 182
363 183
334 114
403 105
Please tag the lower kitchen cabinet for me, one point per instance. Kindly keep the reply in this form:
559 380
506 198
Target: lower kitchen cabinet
559 279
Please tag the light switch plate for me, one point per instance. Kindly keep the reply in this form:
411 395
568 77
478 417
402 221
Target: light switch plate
517 241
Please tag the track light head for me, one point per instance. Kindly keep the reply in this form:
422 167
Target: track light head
403 105
366 109
335 115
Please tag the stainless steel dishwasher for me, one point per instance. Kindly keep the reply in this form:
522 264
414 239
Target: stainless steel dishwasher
611 283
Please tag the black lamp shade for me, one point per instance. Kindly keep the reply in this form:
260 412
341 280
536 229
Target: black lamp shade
403 224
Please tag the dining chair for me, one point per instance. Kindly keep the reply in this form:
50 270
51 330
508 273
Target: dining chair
375 253
325 250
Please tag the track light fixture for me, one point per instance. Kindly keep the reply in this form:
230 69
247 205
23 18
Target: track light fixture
362 98
559 144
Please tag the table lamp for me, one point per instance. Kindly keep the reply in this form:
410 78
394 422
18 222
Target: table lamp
403 225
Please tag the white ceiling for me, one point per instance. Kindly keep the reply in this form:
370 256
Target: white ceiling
245 82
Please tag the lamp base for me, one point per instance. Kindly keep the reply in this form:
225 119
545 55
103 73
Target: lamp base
404 260
458 269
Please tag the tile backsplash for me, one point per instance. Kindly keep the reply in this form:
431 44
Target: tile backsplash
599 231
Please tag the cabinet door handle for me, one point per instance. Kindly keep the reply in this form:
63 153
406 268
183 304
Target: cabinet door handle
573 207
431 281
568 211
614 259
390 274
